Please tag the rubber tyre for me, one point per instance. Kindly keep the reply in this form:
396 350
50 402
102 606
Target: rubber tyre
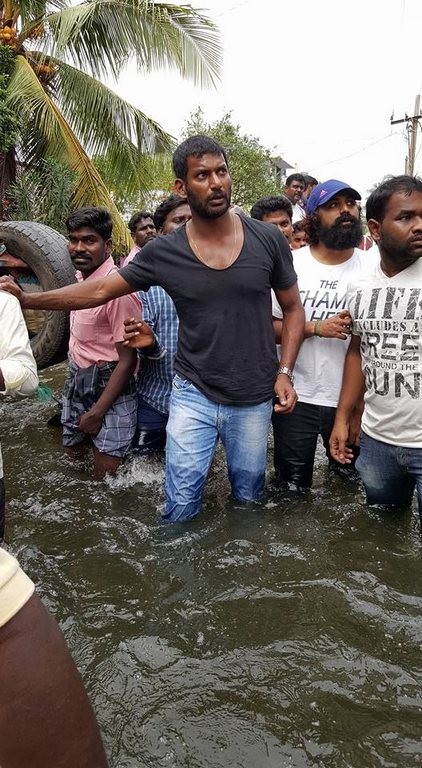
45 252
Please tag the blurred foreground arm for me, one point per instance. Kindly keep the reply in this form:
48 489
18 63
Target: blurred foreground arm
46 720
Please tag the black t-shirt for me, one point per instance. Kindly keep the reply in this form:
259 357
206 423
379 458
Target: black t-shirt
226 343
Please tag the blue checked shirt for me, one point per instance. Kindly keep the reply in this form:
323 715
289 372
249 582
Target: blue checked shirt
156 371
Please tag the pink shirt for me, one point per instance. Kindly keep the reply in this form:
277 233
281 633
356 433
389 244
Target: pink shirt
131 255
94 332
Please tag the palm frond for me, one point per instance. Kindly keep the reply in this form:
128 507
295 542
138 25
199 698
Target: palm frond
26 94
101 36
31 10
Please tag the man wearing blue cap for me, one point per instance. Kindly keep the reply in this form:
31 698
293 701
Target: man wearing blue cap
324 269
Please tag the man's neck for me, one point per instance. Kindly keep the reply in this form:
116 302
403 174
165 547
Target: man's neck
212 228
329 256
392 267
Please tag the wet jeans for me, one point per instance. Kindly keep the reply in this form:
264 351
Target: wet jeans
194 427
390 473
295 442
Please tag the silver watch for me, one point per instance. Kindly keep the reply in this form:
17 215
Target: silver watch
288 372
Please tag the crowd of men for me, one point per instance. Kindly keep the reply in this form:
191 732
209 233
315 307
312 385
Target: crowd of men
176 350
217 324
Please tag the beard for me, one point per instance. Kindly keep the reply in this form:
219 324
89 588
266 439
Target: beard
203 209
338 237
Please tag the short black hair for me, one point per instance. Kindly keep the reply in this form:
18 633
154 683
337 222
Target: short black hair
98 219
378 199
269 205
194 146
310 180
300 226
295 177
136 218
170 203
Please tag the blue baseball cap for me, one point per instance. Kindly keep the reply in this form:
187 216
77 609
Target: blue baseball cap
323 192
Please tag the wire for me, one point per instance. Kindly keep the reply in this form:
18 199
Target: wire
358 151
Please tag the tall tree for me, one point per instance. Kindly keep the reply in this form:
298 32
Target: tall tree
52 84
250 162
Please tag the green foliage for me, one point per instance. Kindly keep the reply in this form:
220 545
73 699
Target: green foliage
8 119
155 176
43 193
250 162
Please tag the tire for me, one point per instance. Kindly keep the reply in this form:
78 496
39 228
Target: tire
45 252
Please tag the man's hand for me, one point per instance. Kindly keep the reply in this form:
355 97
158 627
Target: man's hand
335 327
90 422
137 335
286 394
339 448
8 284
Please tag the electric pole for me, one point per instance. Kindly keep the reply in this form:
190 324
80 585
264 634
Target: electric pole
412 127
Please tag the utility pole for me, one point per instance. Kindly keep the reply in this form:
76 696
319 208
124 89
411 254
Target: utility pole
412 127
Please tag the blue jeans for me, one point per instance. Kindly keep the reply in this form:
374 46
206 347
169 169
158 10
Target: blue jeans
151 430
390 473
195 424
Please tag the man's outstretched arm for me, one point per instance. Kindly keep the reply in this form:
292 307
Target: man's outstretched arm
88 293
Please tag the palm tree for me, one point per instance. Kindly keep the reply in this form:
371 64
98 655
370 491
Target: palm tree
53 55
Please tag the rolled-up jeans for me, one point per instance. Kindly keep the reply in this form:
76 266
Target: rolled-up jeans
194 427
390 473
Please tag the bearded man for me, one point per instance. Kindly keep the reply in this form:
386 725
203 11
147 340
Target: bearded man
324 269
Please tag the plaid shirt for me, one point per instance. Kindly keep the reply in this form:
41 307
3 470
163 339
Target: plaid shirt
156 371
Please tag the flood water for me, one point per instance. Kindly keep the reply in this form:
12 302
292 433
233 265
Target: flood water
283 634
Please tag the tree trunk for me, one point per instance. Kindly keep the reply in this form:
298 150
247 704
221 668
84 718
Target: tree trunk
7 177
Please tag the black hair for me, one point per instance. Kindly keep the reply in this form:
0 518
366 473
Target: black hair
300 226
269 205
311 224
310 180
136 218
98 219
166 206
194 146
378 199
295 177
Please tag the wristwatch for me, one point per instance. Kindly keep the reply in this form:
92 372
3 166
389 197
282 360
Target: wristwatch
288 372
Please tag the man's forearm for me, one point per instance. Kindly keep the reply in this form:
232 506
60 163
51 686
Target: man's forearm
353 385
89 293
116 383
292 335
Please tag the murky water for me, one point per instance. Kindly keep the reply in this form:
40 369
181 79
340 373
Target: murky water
287 634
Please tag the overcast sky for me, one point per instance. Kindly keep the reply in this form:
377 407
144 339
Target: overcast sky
316 82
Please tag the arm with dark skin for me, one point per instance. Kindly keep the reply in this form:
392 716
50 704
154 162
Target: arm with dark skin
346 426
46 720
88 293
90 422
291 339
334 327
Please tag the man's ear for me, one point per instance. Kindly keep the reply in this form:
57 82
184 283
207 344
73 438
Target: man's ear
375 229
180 188
109 246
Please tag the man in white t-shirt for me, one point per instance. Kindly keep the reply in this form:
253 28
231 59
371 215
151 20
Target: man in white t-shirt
385 355
324 269
18 370
293 190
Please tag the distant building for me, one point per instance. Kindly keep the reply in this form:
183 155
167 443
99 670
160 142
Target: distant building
280 170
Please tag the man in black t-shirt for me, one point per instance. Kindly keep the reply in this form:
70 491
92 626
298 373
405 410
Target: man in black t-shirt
219 270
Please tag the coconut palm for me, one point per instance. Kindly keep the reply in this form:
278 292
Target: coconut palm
57 56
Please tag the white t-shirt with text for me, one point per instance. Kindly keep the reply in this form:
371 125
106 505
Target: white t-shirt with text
387 315
323 289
